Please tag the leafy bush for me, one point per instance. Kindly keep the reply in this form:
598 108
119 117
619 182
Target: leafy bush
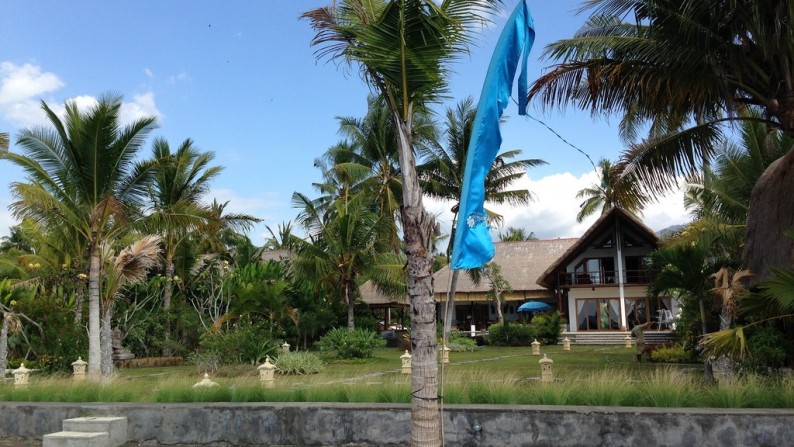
461 342
358 343
298 363
670 354
547 327
247 343
509 334
767 346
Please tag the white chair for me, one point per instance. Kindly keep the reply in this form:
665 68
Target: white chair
666 319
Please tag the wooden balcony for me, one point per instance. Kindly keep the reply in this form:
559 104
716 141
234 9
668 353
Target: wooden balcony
605 278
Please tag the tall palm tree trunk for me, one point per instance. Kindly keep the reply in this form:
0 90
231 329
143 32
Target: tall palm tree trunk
106 342
351 308
94 351
168 293
3 348
450 311
417 231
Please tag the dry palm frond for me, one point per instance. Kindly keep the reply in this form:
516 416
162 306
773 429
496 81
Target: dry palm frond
730 342
14 324
728 286
134 262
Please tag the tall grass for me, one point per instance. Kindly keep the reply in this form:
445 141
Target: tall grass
613 385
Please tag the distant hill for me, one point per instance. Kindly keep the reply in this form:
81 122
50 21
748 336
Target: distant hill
670 231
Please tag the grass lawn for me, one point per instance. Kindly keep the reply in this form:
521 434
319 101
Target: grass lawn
587 375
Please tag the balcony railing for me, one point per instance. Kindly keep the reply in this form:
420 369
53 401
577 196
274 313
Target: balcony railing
606 278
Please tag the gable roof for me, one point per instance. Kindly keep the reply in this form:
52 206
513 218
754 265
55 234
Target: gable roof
548 278
520 263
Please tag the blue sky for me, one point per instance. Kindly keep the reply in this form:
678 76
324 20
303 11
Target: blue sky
240 79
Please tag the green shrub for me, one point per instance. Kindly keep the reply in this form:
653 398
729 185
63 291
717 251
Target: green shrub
461 342
547 327
670 354
298 363
358 343
246 343
509 334
767 346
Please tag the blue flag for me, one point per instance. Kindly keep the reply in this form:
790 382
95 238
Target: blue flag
472 245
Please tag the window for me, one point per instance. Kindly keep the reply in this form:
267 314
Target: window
643 310
598 314
636 271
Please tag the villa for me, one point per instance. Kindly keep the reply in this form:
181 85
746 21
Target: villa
598 282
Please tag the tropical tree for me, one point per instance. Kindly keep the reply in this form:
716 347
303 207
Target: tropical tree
3 140
83 174
16 240
127 268
404 49
442 177
221 232
10 293
344 247
684 68
513 234
686 270
181 180
614 190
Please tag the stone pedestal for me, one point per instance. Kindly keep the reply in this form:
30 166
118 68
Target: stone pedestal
267 372
205 382
79 367
536 347
406 361
285 347
566 344
445 355
627 341
546 375
21 375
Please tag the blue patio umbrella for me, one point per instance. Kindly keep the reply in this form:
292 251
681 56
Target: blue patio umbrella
533 306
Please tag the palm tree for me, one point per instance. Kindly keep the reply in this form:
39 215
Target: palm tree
344 247
16 240
374 146
686 67
180 182
613 190
3 141
128 268
83 174
442 177
220 233
513 234
686 270
404 49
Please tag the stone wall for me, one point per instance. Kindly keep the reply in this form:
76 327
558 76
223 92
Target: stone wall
317 424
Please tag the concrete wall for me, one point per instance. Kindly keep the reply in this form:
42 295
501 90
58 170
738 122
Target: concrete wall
317 424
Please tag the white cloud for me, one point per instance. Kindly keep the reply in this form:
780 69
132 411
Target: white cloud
148 73
553 213
178 78
142 106
20 89
22 83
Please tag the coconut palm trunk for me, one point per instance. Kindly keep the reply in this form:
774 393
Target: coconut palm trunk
106 341
351 307
4 346
94 347
417 231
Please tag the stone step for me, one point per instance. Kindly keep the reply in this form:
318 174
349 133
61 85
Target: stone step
114 426
76 439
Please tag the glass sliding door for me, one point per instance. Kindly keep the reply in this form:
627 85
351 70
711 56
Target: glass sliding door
598 314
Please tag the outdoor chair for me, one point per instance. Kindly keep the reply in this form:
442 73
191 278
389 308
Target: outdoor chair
665 319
